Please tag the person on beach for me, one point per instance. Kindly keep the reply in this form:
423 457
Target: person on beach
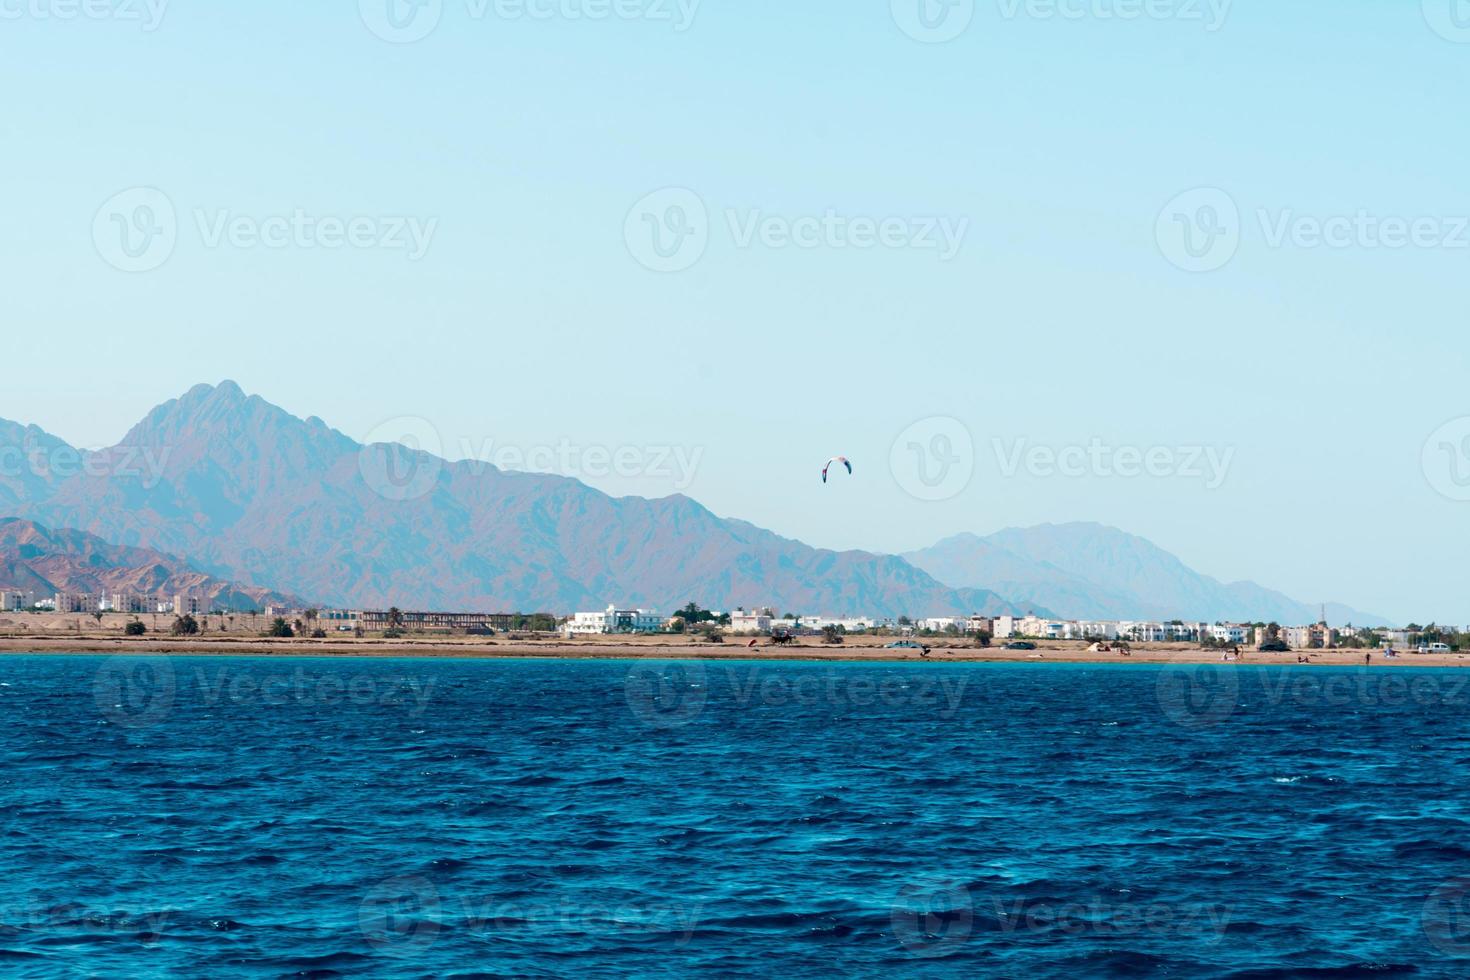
1367 659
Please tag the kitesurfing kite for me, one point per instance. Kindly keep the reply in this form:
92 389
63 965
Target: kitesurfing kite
836 459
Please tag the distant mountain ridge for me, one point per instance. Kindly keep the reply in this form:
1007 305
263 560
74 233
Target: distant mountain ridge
1091 571
45 561
245 491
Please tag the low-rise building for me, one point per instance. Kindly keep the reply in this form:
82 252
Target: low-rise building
944 624
614 620
752 621
190 604
377 620
131 602
16 601
1235 634
78 602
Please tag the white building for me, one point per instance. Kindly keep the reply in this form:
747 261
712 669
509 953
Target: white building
130 602
944 624
1232 633
754 621
613 620
187 604
852 624
16 601
1005 627
77 602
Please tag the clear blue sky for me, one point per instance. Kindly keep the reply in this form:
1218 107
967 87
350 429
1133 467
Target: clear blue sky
530 321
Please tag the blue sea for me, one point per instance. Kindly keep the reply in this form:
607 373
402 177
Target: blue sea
205 817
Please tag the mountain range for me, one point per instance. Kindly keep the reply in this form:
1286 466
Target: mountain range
1096 572
37 559
245 491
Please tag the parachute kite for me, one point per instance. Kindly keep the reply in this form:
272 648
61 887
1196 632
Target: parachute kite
836 459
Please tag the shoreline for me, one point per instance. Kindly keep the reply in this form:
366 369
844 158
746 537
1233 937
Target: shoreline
663 648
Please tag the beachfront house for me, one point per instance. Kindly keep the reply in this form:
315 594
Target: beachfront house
1234 634
753 621
613 620
944 624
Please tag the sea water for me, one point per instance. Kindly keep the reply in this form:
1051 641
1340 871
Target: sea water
392 818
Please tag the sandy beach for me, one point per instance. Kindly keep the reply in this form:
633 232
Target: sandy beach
70 635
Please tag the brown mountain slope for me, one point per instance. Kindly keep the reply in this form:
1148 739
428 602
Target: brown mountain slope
38 559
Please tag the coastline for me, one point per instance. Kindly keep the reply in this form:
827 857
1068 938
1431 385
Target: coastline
856 650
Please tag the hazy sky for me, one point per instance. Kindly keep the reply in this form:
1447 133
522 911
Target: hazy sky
738 238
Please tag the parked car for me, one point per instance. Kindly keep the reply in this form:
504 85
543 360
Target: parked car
1435 648
904 645
1021 645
